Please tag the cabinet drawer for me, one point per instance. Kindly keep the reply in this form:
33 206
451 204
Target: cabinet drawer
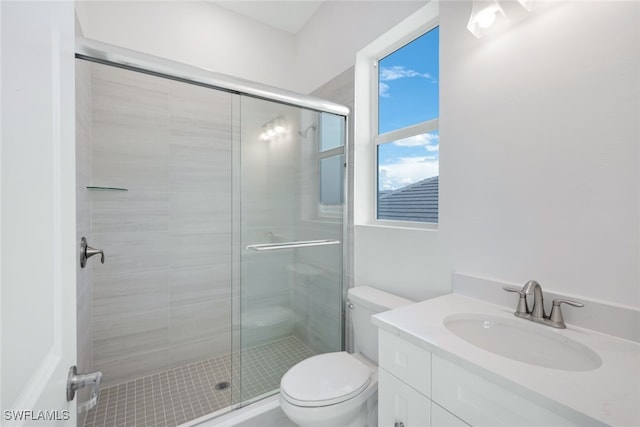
399 403
440 417
480 402
408 362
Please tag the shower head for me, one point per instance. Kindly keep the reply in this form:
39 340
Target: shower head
306 131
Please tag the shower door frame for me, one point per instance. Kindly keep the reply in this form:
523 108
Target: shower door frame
104 53
93 51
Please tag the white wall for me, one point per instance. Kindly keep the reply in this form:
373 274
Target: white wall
327 44
202 34
197 33
539 158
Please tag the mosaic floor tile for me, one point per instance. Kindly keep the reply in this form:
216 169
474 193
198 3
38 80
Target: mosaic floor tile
188 392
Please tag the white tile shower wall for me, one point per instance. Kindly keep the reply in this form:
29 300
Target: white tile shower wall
162 298
83 218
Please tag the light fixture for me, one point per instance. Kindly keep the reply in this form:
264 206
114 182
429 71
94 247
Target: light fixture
527 4
484 14
273 128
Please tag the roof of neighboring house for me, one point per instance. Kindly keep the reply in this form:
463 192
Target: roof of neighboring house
415 202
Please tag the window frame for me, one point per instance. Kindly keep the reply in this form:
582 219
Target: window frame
405 132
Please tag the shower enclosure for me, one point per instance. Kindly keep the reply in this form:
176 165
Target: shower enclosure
219 207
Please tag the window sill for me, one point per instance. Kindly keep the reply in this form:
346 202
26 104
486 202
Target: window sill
401 226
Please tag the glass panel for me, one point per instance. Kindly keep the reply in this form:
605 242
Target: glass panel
331 131
408 179
331 185
156 155
408 84
291 299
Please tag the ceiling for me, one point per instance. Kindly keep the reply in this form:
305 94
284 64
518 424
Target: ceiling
288 15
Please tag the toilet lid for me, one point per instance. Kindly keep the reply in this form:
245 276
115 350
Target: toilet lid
325 379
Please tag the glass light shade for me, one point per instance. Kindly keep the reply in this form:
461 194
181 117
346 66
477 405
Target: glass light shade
527 4
484 14
273 128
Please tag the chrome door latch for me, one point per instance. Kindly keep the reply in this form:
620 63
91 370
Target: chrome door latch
77 381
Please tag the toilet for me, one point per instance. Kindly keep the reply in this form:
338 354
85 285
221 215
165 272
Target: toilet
340 389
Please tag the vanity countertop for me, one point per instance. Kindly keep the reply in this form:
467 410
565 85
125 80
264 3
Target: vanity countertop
609 394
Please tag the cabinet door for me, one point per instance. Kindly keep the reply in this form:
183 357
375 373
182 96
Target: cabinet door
440 417
406 361
401 405
485 404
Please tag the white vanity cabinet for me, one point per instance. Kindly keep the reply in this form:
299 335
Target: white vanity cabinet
404 387
401 405
430 376
419 389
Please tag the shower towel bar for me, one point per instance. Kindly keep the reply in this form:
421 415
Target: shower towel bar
291 245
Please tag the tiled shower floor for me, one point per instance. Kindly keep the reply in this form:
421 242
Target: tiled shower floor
182 394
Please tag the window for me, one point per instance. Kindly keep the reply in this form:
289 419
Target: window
406 132
331 164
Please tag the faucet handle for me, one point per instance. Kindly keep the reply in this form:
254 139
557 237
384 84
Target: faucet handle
555 318
522 308
557 302
514 289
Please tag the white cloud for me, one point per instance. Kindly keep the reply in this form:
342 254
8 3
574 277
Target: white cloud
383 89
427 140
414 159
398 72
406 171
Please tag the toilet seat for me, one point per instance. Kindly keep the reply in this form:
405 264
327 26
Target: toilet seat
325 379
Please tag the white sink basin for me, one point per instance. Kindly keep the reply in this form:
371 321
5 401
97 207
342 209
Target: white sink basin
523 341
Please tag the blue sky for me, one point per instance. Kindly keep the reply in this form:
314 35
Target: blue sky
408 94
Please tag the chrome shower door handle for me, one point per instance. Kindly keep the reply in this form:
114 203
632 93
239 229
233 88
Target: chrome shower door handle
77 381
87 252
292 245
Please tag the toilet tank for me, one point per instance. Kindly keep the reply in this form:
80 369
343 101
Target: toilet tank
366 302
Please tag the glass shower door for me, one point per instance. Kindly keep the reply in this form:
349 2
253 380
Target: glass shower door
288 297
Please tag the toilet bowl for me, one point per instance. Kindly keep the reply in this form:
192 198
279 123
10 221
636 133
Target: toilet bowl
341 389
331 389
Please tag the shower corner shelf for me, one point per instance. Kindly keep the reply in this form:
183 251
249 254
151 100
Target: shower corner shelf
100 188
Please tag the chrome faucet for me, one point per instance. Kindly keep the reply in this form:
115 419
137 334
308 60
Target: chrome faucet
536 313
537 310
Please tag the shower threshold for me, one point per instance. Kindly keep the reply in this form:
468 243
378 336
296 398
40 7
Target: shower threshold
187 393
264 412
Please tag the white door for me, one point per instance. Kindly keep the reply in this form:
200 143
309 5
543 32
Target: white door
37 212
